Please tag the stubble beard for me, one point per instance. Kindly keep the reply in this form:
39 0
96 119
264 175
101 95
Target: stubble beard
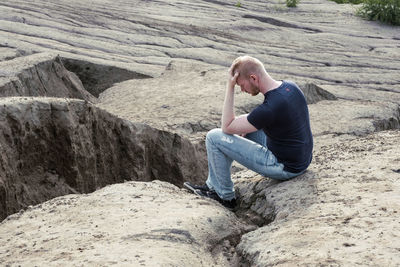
254 90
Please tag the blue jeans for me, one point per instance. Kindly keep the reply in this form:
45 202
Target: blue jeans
250 151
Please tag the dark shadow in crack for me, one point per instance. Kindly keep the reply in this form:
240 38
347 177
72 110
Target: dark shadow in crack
97 78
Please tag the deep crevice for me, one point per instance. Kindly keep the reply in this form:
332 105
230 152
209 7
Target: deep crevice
58 146
97 78
254 212
42 74
66 146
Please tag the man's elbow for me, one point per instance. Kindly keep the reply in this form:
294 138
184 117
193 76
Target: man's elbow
227 130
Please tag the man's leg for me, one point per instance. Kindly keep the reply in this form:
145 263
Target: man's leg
223 148
219 165
258 137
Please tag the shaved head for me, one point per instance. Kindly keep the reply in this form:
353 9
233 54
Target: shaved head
246 66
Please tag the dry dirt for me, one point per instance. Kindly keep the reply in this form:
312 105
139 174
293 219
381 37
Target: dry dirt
151 77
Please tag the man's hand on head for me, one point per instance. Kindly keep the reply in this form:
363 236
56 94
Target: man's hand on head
232 79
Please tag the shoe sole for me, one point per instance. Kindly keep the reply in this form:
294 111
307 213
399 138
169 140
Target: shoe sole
193 190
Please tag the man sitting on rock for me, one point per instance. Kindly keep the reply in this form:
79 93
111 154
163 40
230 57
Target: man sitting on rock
274 139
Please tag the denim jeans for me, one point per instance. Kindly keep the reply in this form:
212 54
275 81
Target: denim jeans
250 151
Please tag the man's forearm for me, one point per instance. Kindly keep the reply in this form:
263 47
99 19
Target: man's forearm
228 114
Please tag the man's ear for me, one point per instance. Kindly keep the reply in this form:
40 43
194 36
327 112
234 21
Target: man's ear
253 77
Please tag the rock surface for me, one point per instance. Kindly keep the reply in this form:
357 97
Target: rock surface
314 93
342 212
173 100
187 108
40 74
52 146
122 225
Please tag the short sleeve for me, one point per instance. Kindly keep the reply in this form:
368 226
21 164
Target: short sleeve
260 117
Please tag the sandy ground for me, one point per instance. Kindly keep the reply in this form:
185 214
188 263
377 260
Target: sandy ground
131 224
343 212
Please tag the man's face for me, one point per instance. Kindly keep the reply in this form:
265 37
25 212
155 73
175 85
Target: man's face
247 85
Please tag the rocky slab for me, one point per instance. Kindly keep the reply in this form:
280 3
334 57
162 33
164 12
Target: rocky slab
41 74
319 41
132 224
344 211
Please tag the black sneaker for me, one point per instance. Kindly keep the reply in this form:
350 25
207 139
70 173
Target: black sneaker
194 187
229 204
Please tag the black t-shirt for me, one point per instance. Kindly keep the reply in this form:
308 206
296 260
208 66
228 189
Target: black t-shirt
285 120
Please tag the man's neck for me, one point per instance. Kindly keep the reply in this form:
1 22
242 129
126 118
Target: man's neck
268 84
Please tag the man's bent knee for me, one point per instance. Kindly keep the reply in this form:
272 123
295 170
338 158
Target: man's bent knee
214 134
217 136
